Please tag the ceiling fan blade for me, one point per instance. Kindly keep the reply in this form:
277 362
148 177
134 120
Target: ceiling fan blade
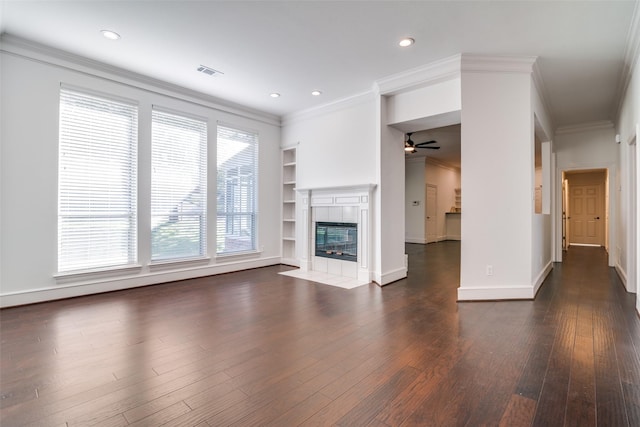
431 148
425 143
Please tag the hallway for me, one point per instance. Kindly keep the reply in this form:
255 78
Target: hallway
259 348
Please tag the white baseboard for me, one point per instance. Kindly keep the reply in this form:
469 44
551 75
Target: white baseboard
390 276
540 279
453 237
622 274
419 240
497 293
32 296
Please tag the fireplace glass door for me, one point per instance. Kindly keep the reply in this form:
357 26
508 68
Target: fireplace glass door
338 240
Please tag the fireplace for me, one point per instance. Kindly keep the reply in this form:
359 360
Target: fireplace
338 240
329 215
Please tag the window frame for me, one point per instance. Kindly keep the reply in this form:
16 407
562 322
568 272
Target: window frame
253 213
202 214
78 140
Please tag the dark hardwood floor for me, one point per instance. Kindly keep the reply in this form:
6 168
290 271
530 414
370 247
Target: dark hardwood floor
258 348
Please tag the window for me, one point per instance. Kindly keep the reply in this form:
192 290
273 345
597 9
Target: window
96 182
178 187
237 187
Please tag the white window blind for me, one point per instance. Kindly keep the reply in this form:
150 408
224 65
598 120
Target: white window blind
237 160
96 182
178 187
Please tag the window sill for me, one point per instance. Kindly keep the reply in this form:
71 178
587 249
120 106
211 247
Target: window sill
97 273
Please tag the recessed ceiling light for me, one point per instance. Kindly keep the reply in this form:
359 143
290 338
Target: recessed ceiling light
316 93
111 35
407 41
274 95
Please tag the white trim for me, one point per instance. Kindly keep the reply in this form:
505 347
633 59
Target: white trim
321 110
96 273
585 127
543 275
37 52
611 214
383 279
341 188
631 55
622 274
425 75
496 293
115 284
543 93
505 64
418 240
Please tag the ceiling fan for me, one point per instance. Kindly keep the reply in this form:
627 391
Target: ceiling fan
410 146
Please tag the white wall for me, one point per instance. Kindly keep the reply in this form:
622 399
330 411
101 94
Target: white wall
541 223
628 126
497 202
345 144
336 145
415 191
30 100
433 100
390 226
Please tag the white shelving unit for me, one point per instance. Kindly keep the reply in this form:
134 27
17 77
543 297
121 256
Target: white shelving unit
458 200
289 207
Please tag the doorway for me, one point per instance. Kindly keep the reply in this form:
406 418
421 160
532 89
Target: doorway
586 212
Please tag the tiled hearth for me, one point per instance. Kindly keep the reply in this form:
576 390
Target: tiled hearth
326 278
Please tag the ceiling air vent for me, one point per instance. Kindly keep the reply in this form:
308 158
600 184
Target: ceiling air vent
209 71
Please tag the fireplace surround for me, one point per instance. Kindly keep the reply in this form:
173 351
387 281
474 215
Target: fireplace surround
336 205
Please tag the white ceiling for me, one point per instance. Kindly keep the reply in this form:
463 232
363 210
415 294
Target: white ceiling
340 48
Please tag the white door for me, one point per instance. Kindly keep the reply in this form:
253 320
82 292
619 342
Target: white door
431 226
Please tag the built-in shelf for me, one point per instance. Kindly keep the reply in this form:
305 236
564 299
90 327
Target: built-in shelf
288 227
458 200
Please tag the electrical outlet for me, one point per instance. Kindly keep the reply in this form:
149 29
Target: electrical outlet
489 270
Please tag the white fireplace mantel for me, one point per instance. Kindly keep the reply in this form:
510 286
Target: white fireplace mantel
349 203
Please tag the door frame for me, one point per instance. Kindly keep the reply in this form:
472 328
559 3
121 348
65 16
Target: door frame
610 208
426 208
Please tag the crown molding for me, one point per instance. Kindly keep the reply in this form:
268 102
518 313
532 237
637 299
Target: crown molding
504 64
38 52
585 127
321 110
425 75
542 93
631 55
